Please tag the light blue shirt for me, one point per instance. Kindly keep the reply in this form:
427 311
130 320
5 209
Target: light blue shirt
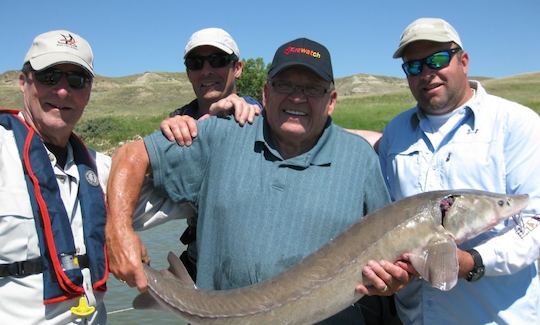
493 145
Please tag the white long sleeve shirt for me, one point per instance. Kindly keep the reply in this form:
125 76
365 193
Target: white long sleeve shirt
493 145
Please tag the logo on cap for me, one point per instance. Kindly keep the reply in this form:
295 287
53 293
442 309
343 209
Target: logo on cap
302 50
67 41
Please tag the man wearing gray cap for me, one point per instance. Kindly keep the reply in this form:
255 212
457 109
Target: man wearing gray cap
268 193
459 136
52 212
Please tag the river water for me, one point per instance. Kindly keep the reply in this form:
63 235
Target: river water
159 241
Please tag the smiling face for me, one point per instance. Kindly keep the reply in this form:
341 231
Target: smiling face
296 120
53 110
438 91
212 84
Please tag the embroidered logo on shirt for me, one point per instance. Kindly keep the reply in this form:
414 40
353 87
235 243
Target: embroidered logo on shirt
92 178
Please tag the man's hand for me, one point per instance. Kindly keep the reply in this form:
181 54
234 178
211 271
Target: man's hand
179 128
183 129
126 254
383 278
233 104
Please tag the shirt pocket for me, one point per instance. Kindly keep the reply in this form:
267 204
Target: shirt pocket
18 236
404 172
477 164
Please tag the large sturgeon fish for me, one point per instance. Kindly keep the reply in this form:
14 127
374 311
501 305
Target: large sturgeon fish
427 225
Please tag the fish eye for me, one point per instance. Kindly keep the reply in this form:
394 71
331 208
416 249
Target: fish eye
500 203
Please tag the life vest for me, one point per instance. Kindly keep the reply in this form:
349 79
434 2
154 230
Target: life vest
62 276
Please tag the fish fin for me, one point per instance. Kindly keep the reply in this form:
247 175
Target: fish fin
146 301
437 263
177 268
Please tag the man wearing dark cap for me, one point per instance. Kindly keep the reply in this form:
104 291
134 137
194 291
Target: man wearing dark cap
268 193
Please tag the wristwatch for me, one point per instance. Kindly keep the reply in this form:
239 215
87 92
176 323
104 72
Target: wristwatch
478 269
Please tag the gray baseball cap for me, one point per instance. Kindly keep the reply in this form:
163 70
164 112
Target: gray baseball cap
57 47
427 29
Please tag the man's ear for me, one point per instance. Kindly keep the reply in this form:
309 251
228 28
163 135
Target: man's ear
23 79
332 102
238 67
465 62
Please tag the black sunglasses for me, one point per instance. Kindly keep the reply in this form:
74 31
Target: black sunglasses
51 76
216 60
436 61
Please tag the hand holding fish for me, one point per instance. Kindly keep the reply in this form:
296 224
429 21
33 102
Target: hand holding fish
385 278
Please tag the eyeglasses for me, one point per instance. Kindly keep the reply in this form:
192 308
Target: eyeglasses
51 76
435 61
216 60
288 88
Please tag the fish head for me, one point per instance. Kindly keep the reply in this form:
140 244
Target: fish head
467 213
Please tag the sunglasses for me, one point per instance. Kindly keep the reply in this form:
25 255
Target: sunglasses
435 61
216 60
51 76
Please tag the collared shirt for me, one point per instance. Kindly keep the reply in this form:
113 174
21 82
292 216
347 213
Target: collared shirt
259 213
22 297
494 146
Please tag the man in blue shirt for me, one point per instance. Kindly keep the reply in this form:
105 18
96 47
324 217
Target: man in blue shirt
458 136
268 193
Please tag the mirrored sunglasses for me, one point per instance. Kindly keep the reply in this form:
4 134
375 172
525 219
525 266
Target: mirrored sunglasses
51 76
216 60
435 61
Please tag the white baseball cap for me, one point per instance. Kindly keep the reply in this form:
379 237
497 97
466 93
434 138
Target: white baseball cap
60 46
427 29
215 37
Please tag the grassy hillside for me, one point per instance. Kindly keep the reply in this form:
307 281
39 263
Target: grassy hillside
128 107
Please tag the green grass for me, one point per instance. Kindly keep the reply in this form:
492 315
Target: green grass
524 89
106 133
371 112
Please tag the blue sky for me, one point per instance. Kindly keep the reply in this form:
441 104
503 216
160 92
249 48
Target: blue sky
129 37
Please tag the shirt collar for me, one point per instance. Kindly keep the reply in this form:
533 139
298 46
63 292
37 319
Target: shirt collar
472 106
321 154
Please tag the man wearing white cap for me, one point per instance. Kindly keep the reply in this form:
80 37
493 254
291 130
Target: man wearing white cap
52 212
53 268
211 57
213 65
459 136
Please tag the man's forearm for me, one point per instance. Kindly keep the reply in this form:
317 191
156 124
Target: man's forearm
129 167
125 250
